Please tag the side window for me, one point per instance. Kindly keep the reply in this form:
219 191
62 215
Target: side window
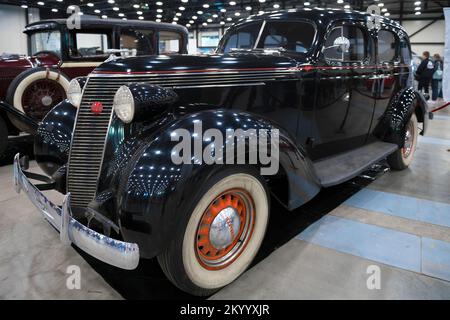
345 44
405 51
138 42
243 38
387 46
286 35
89 45
169 42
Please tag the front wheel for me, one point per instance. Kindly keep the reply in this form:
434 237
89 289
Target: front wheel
221 233
403 157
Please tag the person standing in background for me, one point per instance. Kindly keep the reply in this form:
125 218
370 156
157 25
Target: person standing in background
424 73
436 82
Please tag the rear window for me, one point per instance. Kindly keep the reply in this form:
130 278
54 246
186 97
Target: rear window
386 46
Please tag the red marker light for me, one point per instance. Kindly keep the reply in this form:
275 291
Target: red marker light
96 107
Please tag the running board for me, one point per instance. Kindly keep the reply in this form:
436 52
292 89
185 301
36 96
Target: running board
344 166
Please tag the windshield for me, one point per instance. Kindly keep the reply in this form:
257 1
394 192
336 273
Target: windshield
292 36
46 41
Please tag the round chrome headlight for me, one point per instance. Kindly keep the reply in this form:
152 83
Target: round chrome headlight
124 104
74 93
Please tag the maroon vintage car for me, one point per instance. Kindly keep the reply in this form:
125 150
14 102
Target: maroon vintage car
34 84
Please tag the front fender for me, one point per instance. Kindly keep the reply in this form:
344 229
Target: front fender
53 137
393 121
151 186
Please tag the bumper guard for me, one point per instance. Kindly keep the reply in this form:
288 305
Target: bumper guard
121 254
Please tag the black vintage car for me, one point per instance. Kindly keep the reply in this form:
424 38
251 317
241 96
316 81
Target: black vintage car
334 89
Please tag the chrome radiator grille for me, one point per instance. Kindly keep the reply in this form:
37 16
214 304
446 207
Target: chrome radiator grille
88 141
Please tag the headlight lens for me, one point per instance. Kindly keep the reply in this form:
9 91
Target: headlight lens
124 104
74 93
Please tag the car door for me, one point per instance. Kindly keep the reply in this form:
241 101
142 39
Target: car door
392 71
346 96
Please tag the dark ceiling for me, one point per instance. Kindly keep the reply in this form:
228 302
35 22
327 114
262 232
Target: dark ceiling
207 13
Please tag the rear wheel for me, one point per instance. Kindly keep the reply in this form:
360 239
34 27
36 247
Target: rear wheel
220 235
403 157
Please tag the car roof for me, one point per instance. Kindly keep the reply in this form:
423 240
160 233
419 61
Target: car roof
94 21
324 15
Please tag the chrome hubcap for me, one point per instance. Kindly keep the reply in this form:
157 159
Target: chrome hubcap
409 140
224 228
46 100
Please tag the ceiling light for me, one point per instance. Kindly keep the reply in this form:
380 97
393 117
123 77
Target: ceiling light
417 8
110 1
206 6
116 9
159 10
229 19
262 1
141 18
261 12
223 10
59 0
417 13
387 14
124 18
139 12
174 22
178 14
188 25
54 10
205 24
237 14
276 5
121 14
384 10
40 3
222 22
136 6
158 20
181 8
381 4
159 3
175 19
24 6
307 3
209 20
184 1
191 21
104 17
232 3
248 8
97 11
215 15
347 6
340 1
159 16
194 17
90 4
199 12
417 3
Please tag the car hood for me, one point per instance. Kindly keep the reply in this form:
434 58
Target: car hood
193 63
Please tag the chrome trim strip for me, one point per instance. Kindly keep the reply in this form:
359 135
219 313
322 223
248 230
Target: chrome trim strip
118 253
259 34
221 85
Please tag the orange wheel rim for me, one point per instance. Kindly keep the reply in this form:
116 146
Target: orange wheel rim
224 229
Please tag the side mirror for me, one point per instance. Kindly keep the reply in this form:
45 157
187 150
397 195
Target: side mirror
342 43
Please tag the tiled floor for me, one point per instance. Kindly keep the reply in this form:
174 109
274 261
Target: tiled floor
400 223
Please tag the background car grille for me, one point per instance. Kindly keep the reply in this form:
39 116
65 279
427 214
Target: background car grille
88 142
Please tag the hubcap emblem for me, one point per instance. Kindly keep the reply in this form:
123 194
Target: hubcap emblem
224 228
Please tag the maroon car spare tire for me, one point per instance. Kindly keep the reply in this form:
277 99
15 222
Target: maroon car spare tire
36 91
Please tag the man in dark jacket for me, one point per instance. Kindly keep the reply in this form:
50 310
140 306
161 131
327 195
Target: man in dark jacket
424 72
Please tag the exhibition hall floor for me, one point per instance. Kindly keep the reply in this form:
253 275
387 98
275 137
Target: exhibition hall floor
397 223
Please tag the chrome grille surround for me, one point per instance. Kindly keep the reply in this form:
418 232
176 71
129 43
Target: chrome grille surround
90 130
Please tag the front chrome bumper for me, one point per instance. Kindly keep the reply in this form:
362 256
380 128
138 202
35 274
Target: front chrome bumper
121 254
